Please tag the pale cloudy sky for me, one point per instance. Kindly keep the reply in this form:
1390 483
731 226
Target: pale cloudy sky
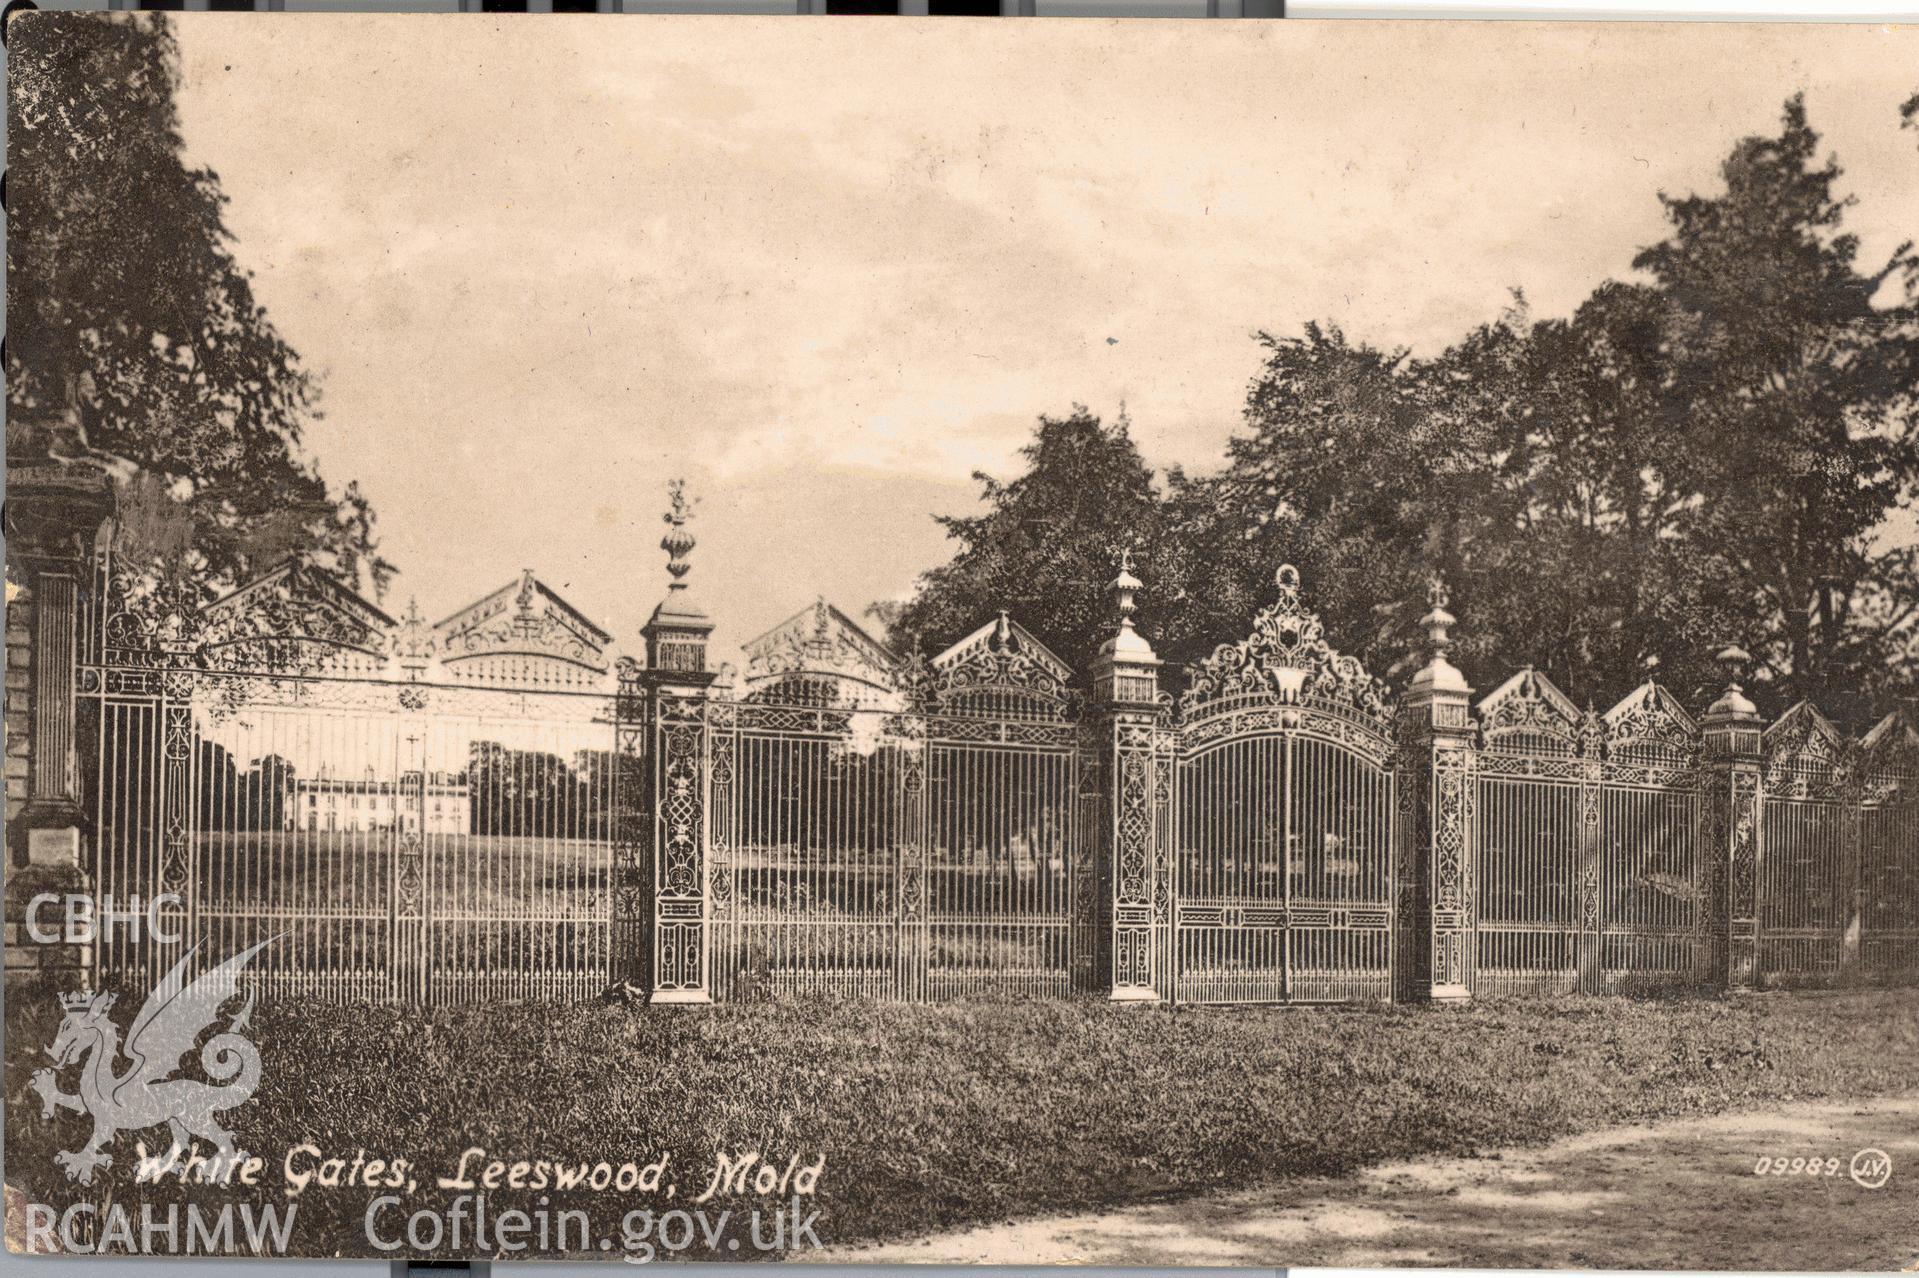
826 269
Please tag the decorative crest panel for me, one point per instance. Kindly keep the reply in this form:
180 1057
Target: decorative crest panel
524 633
1287 659
1001 668
293 619
1529 712
1650 720
820 655
1802 744
1889 758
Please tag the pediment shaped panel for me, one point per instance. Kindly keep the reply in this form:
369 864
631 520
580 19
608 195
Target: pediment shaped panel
1889 758
999 669
1287 659
821 656
1802 741
294 619
1650 720
1528 712
523 633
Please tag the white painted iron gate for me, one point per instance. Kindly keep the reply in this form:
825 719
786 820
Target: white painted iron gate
1285 822
926 844
453 813
279 775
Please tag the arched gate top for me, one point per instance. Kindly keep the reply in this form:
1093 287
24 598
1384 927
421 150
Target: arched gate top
1286 660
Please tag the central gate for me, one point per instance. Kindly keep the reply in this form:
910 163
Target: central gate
1285 820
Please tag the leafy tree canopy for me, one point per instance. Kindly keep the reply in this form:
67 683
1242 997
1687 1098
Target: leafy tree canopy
135 341
1044 549
1707 453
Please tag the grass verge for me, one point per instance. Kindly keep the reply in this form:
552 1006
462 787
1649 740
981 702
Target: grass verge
935 1117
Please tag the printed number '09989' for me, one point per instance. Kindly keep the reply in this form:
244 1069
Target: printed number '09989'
1768 1165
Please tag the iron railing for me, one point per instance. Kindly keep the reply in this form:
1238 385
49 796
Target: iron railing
446 827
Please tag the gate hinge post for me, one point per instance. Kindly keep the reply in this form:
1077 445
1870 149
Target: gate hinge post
1133 853
1435 923
1733 736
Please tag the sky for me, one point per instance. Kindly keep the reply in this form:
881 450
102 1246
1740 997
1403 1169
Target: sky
826 270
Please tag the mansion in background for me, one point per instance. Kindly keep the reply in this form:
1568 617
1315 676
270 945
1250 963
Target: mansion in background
430 803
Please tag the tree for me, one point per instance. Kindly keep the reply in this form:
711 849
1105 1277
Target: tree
1045 549
1707 454
1567 554
1796 380
1343 471
135 341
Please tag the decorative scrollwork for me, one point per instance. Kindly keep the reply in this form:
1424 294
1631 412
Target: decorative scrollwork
523 631
1745 830
293 619
1528 713
1287 659
1806 757
412 866
1000 670
1889 760
820 657
681 806
1650 722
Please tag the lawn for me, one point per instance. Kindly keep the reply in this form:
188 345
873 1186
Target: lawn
355 871
939 1116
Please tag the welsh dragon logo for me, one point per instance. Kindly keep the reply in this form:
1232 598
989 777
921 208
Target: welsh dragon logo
144 1094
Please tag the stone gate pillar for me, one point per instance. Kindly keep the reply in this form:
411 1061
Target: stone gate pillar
675 936
1734 751
1133 851
1435 910
53 512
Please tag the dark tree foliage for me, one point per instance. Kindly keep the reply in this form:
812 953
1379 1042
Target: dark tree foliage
1044 550
1705 454
1343 470
1794 371
135 342
538 794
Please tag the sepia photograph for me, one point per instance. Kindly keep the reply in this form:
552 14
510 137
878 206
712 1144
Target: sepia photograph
943 641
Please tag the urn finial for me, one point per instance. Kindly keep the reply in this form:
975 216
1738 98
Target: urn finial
679 541
1438 621
1439 677
1733 704
1125 588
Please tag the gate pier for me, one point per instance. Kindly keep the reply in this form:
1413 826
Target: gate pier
1734 750
674 941
53 514
1434 899
1133 851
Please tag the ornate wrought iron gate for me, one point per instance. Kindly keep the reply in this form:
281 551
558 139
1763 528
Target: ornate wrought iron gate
1808 864
282 770
910 834
1540 779
1285 821
1887 901
479 810
1591 828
